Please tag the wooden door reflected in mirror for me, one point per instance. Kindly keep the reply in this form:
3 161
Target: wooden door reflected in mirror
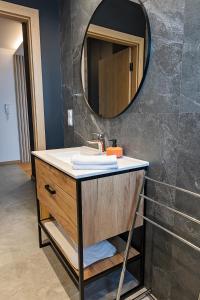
115 82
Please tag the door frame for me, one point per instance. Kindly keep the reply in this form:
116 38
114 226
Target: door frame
30 16
110 35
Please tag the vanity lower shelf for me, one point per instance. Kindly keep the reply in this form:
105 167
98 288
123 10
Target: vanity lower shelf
101 266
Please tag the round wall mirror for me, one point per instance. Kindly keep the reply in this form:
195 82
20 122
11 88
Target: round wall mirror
115 56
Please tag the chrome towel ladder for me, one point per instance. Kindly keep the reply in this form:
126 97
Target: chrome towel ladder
130 235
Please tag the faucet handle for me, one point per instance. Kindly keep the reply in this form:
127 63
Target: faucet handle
99 135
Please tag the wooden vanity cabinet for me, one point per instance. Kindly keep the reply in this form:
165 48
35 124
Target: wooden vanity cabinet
88 210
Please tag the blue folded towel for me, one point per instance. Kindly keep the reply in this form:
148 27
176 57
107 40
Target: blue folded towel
98 252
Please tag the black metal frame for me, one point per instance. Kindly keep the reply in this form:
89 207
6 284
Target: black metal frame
78 280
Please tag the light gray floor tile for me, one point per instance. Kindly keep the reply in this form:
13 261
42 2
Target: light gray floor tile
26 272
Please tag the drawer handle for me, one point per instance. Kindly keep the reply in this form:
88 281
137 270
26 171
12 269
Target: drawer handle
49 189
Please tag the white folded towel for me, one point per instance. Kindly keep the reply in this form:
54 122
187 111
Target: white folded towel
91 254
94 159
94 167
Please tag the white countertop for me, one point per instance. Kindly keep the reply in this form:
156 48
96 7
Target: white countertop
61 159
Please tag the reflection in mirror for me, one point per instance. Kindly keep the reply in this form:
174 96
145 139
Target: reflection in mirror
114 56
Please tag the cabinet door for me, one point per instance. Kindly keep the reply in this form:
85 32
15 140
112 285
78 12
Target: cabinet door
57 194
108 205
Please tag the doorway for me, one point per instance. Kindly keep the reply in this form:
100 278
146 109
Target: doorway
16 126
25 107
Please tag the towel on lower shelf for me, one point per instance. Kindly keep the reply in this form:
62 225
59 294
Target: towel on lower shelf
94 160
91 254
97 252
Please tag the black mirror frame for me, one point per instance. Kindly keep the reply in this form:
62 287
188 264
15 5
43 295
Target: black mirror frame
145 69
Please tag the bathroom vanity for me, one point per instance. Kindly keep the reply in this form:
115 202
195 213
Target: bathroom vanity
90 206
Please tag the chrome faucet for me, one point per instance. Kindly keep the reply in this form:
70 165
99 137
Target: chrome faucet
100 141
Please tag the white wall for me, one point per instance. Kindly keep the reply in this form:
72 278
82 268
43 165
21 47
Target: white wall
20 49
9 139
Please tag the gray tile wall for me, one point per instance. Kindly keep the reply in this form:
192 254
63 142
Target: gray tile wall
162 126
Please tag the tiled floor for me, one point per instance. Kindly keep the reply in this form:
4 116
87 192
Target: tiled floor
26 167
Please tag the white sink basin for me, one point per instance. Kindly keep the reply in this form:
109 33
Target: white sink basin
65 155
61 159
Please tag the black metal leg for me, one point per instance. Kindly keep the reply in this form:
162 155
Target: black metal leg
80 243
81 271
40 236
41 244
81 291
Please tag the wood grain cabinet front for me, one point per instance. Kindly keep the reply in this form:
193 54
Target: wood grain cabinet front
57 195
107 203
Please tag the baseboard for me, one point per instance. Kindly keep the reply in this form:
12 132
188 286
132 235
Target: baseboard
11 162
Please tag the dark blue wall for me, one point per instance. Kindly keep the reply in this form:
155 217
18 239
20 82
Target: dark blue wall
50 49
121 15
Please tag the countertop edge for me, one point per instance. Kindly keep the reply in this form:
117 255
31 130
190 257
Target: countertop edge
52 162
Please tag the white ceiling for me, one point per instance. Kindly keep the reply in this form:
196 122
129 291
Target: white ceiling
10 34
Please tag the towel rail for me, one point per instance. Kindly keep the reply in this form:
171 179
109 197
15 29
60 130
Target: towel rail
172 209
170 232
126 252
173 187
136 213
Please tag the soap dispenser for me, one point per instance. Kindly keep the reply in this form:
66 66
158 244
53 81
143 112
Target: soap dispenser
114 150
